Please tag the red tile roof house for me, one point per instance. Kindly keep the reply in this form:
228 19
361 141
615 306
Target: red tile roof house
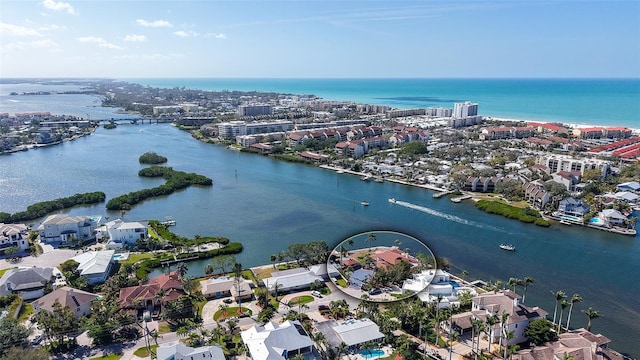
145 297
392 256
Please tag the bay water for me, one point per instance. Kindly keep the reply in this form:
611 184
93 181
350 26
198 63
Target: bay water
268 204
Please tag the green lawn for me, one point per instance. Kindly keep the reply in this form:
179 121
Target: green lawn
134 258
142 352
231 312
304 299
163 328
25 312
5 270
109 357
342 283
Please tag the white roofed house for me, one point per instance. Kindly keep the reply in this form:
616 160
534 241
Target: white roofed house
355 333
61 228
275 341
612 217
14 235
123 233
290 280
95 265
225 286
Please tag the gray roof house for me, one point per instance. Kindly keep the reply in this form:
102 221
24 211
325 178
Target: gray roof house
28 283
275 341
60 228
95 265
179 351
290 280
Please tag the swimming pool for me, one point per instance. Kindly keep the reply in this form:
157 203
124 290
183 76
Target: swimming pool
454 284
571 218
117 256
596 221
372 354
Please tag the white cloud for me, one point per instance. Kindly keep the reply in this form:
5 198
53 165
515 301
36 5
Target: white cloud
59 6
17 30
51 27
216 36
135 38
100 41
183 33
37 44
154 23
150 56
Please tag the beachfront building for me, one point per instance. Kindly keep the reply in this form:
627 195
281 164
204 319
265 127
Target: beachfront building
95 265
14 236
612 217
61 228
78 301
232 129
577 344
275 341
179 351
536 194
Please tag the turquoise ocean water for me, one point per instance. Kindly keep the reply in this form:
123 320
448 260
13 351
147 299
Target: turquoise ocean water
610 102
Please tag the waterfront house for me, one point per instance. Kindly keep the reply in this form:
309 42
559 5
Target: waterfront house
573 207
435 286
78 301
179 351
95 265
14 235
61 228
28 283
612 217
519 315
536 194
225 286
577 344
123 233
392 256
275 341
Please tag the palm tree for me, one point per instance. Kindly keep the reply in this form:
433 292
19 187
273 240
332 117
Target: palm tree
490 321
237 270
182 269
591 314
508 335
514 283
574 299
371 238
563 305
560 295
526 283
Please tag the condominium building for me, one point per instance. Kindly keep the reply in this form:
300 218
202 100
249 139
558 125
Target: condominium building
255 109
465 109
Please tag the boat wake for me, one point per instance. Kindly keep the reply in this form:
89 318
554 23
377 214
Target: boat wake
444 216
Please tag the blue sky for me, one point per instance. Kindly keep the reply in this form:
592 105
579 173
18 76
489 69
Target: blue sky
309 39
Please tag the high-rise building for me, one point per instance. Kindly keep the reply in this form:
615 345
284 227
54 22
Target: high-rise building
465 109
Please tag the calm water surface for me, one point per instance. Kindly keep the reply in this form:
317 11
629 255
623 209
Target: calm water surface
270 204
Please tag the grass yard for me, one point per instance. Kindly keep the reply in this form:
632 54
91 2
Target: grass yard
163 327
134 258
304 299
143 352
231 312
109 357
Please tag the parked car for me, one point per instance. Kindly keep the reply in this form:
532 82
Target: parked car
227 301
316 294
323 307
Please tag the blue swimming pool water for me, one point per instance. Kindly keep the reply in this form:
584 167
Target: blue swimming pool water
372 354
117 256
596 221
572 218
455 284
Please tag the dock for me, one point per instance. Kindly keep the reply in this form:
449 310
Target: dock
461 198
176 260
438 195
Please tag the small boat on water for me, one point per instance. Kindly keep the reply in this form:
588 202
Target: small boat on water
364 203
392 200
365 178
508 247
379 179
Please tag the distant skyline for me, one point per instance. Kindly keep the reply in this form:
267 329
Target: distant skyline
320 39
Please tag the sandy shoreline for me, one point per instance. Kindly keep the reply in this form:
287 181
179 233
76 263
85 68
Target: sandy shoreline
570 125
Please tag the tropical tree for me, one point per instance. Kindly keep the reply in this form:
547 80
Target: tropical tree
182 269
508 335
370 239
490 322
591 314
526 282
560 295
514 283
574 299
563 305
11 333
237 271
540 331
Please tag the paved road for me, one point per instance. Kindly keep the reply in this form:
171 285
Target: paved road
50 258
